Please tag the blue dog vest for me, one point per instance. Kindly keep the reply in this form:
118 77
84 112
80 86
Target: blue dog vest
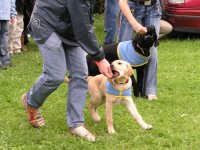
126 52
112 91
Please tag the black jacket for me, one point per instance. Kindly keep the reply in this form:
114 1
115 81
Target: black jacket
28 8
70 19
20 6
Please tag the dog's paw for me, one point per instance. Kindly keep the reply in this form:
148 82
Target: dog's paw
111 131
147 127
97 119
95 116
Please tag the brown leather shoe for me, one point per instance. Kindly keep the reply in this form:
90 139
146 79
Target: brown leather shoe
34 116
83 132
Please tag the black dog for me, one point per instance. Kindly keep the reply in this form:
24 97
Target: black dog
136 52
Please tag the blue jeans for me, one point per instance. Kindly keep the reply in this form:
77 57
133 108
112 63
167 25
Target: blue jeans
111 13
57 58
146 15
4 55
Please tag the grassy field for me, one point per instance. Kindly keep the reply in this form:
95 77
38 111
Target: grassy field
175 115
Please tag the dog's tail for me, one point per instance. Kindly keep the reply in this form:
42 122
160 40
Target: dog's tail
66 80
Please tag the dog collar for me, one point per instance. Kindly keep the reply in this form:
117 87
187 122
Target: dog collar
122 82
110 90
126 51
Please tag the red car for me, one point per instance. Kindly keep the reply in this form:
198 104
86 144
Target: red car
184 15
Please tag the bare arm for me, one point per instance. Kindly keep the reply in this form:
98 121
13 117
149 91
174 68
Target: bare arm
12 20
12 11
123 4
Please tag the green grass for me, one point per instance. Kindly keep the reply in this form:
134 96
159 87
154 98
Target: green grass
175 115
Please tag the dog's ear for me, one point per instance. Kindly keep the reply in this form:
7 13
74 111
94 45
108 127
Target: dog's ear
129 71
156 43
151 31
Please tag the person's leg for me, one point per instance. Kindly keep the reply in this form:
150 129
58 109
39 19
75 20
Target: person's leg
54 70
77 92
26 41
125 30
17 34
1 43
5 58
153 14
12 28
111 13
165 28
77 87
22 42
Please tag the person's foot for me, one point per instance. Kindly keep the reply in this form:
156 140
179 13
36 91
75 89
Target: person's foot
152 97
17 51
7 65
83 132
34 116
3 67
24 49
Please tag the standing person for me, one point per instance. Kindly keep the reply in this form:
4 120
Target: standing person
165 28
55 26
29 4
111 13
15 30
137 14
7 12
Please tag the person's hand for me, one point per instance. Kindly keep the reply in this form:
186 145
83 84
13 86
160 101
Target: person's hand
12 20
139 29
104 68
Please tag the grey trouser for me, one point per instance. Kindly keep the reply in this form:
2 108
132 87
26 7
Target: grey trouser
56 59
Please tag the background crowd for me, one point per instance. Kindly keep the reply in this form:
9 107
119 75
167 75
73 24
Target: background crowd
59 31
14 22
14 18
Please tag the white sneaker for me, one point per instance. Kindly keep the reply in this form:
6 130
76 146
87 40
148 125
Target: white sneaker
152 97
82 131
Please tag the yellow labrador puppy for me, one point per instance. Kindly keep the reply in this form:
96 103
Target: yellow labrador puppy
112 91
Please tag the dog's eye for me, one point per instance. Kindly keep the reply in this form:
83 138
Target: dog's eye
119 63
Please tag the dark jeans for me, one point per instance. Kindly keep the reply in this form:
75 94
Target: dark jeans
26 21
4 55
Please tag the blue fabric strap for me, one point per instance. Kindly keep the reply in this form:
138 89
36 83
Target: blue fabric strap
127 53
112 91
